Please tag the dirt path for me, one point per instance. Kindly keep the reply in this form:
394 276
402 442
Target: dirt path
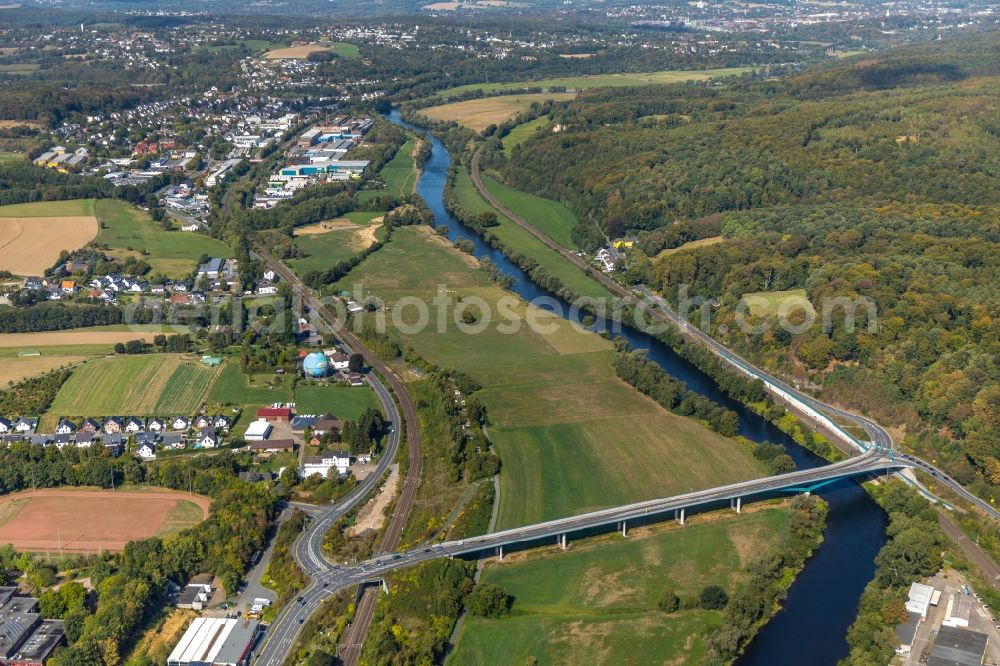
372 515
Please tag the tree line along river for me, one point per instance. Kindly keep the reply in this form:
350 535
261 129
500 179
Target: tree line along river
822 603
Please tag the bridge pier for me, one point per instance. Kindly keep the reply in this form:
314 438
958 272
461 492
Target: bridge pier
500 552
562 541
736 504
679 515
624 528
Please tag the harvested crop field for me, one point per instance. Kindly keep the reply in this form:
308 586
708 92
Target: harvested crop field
296 52
88 521
18 368
156 384
27 232
77 336
478 114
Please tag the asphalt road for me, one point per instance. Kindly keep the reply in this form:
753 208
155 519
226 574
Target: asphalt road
308 548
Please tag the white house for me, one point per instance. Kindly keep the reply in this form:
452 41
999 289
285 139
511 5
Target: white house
157 425
25 425
147 451
339 361
324 462
133 424
207 438
180 423
65 427
5 425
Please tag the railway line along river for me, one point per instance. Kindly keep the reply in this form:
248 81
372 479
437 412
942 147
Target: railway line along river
812 625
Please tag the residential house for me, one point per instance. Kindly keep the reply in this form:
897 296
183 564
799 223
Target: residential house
327 423
272 446
180 423
134 424
113 424
339 361
147 451
89 425
114 443
207 439
172 441
40 440
203 421
5 425
221 422
326 461
25 425
61 440
84 438
65 427
68 286
156 424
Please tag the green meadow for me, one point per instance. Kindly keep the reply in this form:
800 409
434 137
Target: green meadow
600 80
596 602
523 242
128 230
559 415
522 133
550 217
344 402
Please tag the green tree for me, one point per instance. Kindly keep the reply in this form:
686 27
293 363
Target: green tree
713 597
488 600
669 602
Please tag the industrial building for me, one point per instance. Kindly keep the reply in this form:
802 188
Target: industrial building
258 431
959 610
213 641
958 647
25 638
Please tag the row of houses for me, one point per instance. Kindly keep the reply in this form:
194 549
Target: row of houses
119 424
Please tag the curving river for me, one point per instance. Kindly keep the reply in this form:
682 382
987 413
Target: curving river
822 602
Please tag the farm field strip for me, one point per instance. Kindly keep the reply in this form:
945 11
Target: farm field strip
478 114
156 384
27 232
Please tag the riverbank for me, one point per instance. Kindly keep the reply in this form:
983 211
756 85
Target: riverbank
822 600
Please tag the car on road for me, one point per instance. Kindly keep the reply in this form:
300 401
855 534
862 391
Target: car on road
326 585
301 600
301 620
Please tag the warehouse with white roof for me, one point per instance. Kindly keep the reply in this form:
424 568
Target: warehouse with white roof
213 641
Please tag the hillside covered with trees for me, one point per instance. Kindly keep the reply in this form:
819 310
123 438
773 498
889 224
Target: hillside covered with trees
874 178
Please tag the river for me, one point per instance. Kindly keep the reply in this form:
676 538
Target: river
822 603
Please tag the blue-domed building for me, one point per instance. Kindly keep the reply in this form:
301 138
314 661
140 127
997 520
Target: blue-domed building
316 364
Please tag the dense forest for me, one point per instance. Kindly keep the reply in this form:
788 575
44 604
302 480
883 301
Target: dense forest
873 181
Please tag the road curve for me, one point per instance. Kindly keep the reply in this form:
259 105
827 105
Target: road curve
308 548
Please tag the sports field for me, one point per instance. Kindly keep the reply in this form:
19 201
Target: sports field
152 384
596 602
128 230
571 435
478 114
600 80
88 521
32 235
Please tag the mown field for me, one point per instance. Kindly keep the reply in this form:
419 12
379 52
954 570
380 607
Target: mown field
478 114
521 241
153 384
600 80
128 230
328 243
690 245
550 217
233 388
400 174
771 303
522 133
344 402
571 435
32 235
596 602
